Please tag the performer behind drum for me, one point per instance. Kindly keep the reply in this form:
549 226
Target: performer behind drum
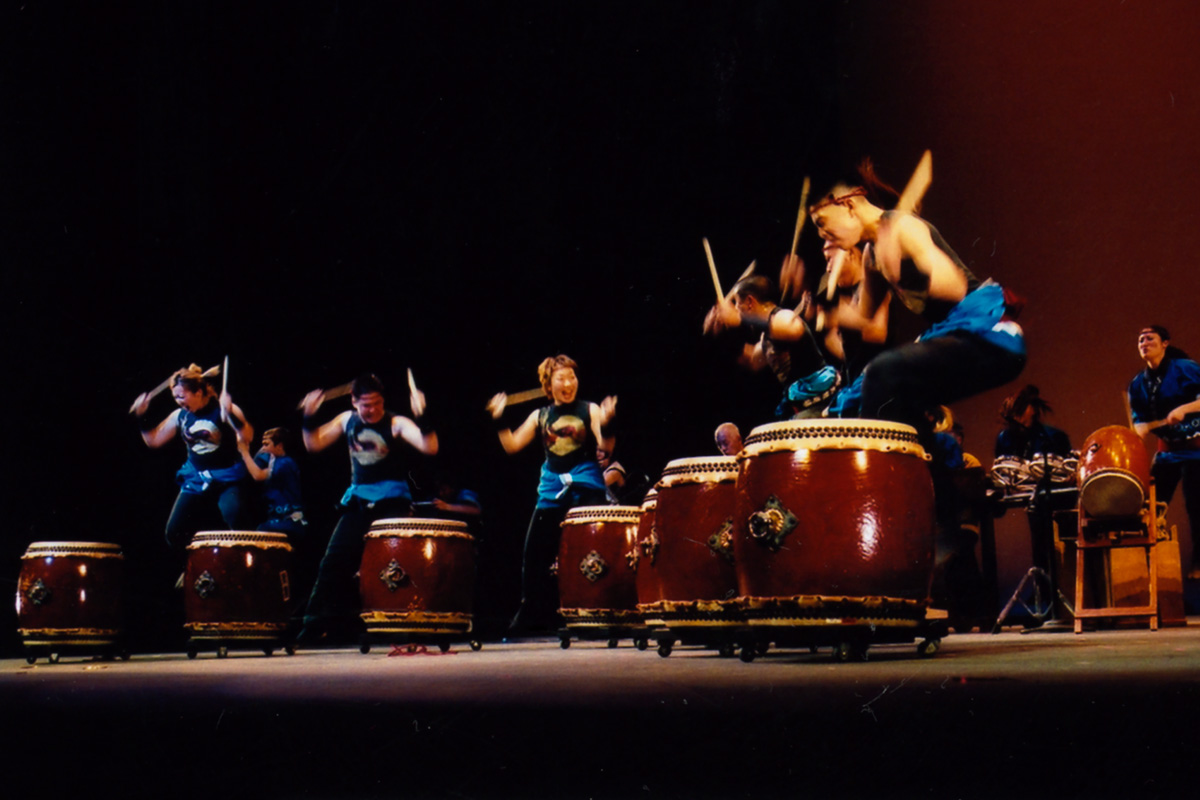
972 343
728 439
571 431
779 339
377 440
1024 434
213 477
1164 400
280 479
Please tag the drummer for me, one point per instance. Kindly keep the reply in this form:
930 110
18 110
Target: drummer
780 339
280 479
1024 434
972 343
212 482
1164 400
571 431
728 439
378 441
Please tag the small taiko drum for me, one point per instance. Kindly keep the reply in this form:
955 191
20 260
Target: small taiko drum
645 561
71 594
417 577
597 585
695 521
1114 473
834 524
237 587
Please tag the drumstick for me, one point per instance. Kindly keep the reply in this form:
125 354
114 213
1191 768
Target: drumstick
332 394
835 272
1128 409
525 396
801 216
412 384
712 267
224 388
155 392
746 273
922 176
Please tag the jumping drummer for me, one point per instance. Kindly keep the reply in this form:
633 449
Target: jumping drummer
972 343
212 482
1164 400
779 339
378 441
571 431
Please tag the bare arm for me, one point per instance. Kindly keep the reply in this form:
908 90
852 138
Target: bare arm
512 441
404 428
258 473
602 415
905 236
317 440
163 432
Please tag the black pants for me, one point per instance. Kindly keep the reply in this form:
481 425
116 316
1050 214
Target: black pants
193 511
1167 477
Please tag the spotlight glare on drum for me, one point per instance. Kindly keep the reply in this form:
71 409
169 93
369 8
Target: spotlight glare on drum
83 570
868 535
249 559
83 595
860 460
428 549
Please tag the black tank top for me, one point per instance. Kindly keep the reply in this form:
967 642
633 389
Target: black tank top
913 286
567 435
375 454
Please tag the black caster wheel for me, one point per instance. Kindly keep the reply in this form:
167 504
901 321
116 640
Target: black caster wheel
123 655
929 647
30 659
665 647
268 651
612 643
364 647
850 651
290 649
749 653
726 651
192 652
444 647
564 643
222 651
641 644
476 645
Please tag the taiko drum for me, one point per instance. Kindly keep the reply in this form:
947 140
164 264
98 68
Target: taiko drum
1114 473
237 585
834 524
695 520
597 584
71 594
417 577
645 562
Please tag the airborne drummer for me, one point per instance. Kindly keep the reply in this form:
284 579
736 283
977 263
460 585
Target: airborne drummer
378 441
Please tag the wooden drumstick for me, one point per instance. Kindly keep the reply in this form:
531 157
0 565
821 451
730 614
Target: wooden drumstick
746 273
224 388
155 392
412 384
922 176
332 394
801 215
712 267
835 272
525 396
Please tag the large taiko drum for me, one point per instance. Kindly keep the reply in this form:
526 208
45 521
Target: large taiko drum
417 577
237 587
597 584
645 561
71 594
834 524
1114 473
695 521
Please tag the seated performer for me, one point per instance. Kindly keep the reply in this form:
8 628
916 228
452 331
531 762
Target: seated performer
280 479
378 440
781 340
1024 434
1164 400
972 343
212 480
571 431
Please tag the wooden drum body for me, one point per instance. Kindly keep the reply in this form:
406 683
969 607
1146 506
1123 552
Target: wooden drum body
646 561
835 524
597 584
1114 473
417 577
71 594
237 585
695 521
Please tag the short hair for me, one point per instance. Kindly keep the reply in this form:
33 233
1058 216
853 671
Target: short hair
551 365
367 383
760 287
276 435
1159 329
196 380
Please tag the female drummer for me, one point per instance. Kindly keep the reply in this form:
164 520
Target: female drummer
213 478
1164 400
972 343
571 431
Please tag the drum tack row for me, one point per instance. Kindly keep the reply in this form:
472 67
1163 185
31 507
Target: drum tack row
820 534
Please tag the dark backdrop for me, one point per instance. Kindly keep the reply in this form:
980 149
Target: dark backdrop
318 189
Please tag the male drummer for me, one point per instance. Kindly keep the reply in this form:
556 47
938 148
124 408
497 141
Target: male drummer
378 442
1164 400
781 340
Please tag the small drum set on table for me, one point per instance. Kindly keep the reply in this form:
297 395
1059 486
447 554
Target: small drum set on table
70 599
417 582
237 592
597 578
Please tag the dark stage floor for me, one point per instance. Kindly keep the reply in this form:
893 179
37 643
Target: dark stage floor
1104 714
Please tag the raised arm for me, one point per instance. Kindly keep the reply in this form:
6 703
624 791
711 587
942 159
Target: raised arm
512 441
602 417
156 436
424 441
258 473
317 438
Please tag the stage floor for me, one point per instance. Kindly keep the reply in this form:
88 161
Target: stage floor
1103 714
